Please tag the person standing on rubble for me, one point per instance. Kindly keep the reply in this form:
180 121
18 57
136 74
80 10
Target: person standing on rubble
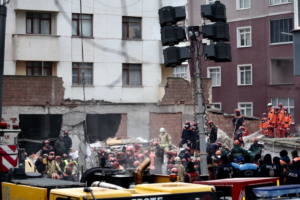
288 119
164 139
68 142
280 122
59 146
264 125
238 120
237 150
186 135
213 136
52 167
239 135
272 120
191 174
180 168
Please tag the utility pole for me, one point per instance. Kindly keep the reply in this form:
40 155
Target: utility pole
3 13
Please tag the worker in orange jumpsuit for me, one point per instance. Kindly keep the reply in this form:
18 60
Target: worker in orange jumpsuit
264 125
280 122
272 120
288 119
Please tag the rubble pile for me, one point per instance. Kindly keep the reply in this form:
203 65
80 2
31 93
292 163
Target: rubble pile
224 139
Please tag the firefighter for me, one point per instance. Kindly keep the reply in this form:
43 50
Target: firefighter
268 169
64 157
239 135
272 120
237 150
288 119
118 166
248 169
280 122
264 125
238 120
67 176
195 139
73 167
293 176
213 136
180 168
217 159
169 168
212 148
159 160
67 161
129 158
170 157
60 163
47 148
68 142
255 147
186 135
52 167
39 165
137 148
225 170
59 146
191 175
164 139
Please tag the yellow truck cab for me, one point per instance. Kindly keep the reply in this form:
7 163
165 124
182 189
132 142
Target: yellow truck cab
49 189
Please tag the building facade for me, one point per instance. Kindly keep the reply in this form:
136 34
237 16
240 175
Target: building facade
262 68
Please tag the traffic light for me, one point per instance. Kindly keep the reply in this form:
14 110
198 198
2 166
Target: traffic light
217 32
171 35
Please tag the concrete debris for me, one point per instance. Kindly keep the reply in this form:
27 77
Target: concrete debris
224 139
250 138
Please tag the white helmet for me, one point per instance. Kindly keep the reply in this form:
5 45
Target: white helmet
269 104
162 130
177 159
108 151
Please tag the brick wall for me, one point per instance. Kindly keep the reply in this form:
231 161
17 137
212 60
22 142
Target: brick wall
172 122
122 131
225 123
32 90
179 91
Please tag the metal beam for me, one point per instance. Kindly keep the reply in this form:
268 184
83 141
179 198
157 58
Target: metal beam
3 13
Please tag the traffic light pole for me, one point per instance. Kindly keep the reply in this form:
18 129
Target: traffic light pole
202 135
3 11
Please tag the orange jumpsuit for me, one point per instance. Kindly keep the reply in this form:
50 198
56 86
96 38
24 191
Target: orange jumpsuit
272 121
245 132
280 124
288 119
264 126
152 156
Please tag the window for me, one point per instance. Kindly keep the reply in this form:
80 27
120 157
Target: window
243 4
215 74
131 27
132 75
38 23
217 105
246 108
282 71
277 2
244 74
80 69
39 68
211 1
286 102
244 37
86 25
179 71
280 29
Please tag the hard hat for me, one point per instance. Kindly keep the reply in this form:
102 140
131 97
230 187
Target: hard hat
187 122
108 151
237 111
57 158
218 152
195 124
162 130
280 105
102 151
68 169
285 109
177 159
276 108
116 164
71 163
65 155
155 143
256 139
146 152
183 160
128 149
242 128
50 157
236 142
170 166
52 153
219 144
269 105
264 114
209 123
136 145
47 142
136 155
174 170
66 132
175 154
136 163
140 156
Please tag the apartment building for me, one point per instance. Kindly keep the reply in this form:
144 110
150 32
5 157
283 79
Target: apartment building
262 68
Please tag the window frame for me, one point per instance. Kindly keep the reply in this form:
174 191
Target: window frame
78 21
41 68
78 73
279 3
141 23
279 43
239 107
238 5
239 37
239 74
128 77
208 1
285 106
182 65
214 103
208 75
40 19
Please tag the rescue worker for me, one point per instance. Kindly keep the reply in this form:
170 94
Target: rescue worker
255 147
212 148
73 167
137 148
67 161
225 170
284 159
212 168
272 120
164 139
268 169
118 166
129 158
39 165
248 169
239 135
184 153
264 125
186 135
191 175
213 136
217 160
235 165
295 157
65 157
59 146
238 120
121 158
195 139
237 150
197 166
159 160
170 157
68 142
47 148
141 157
293 176
180 168
288 119
246 131
225 150
52 167
60 163
67 176
169 168
280 122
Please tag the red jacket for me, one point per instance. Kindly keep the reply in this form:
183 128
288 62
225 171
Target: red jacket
193 176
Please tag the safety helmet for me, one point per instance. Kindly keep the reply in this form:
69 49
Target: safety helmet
177 159
102 151
116 164
146 152
65 156
140 156
155 143
256 139
242 128
237 111
52 153
170 166
66 132
209 123
162 130
128 149
136 163
219 144
285 109
280 105
236 142
110 155
136 145
57 158
50 157
71 163
183 160
264 114
55 176
187 148
187 122
108 151
218 152
175 154
195 124
113 159
276 108
269 105
47 142
174 170
68 169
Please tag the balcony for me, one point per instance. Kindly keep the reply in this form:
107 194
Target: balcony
37 5
36 47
